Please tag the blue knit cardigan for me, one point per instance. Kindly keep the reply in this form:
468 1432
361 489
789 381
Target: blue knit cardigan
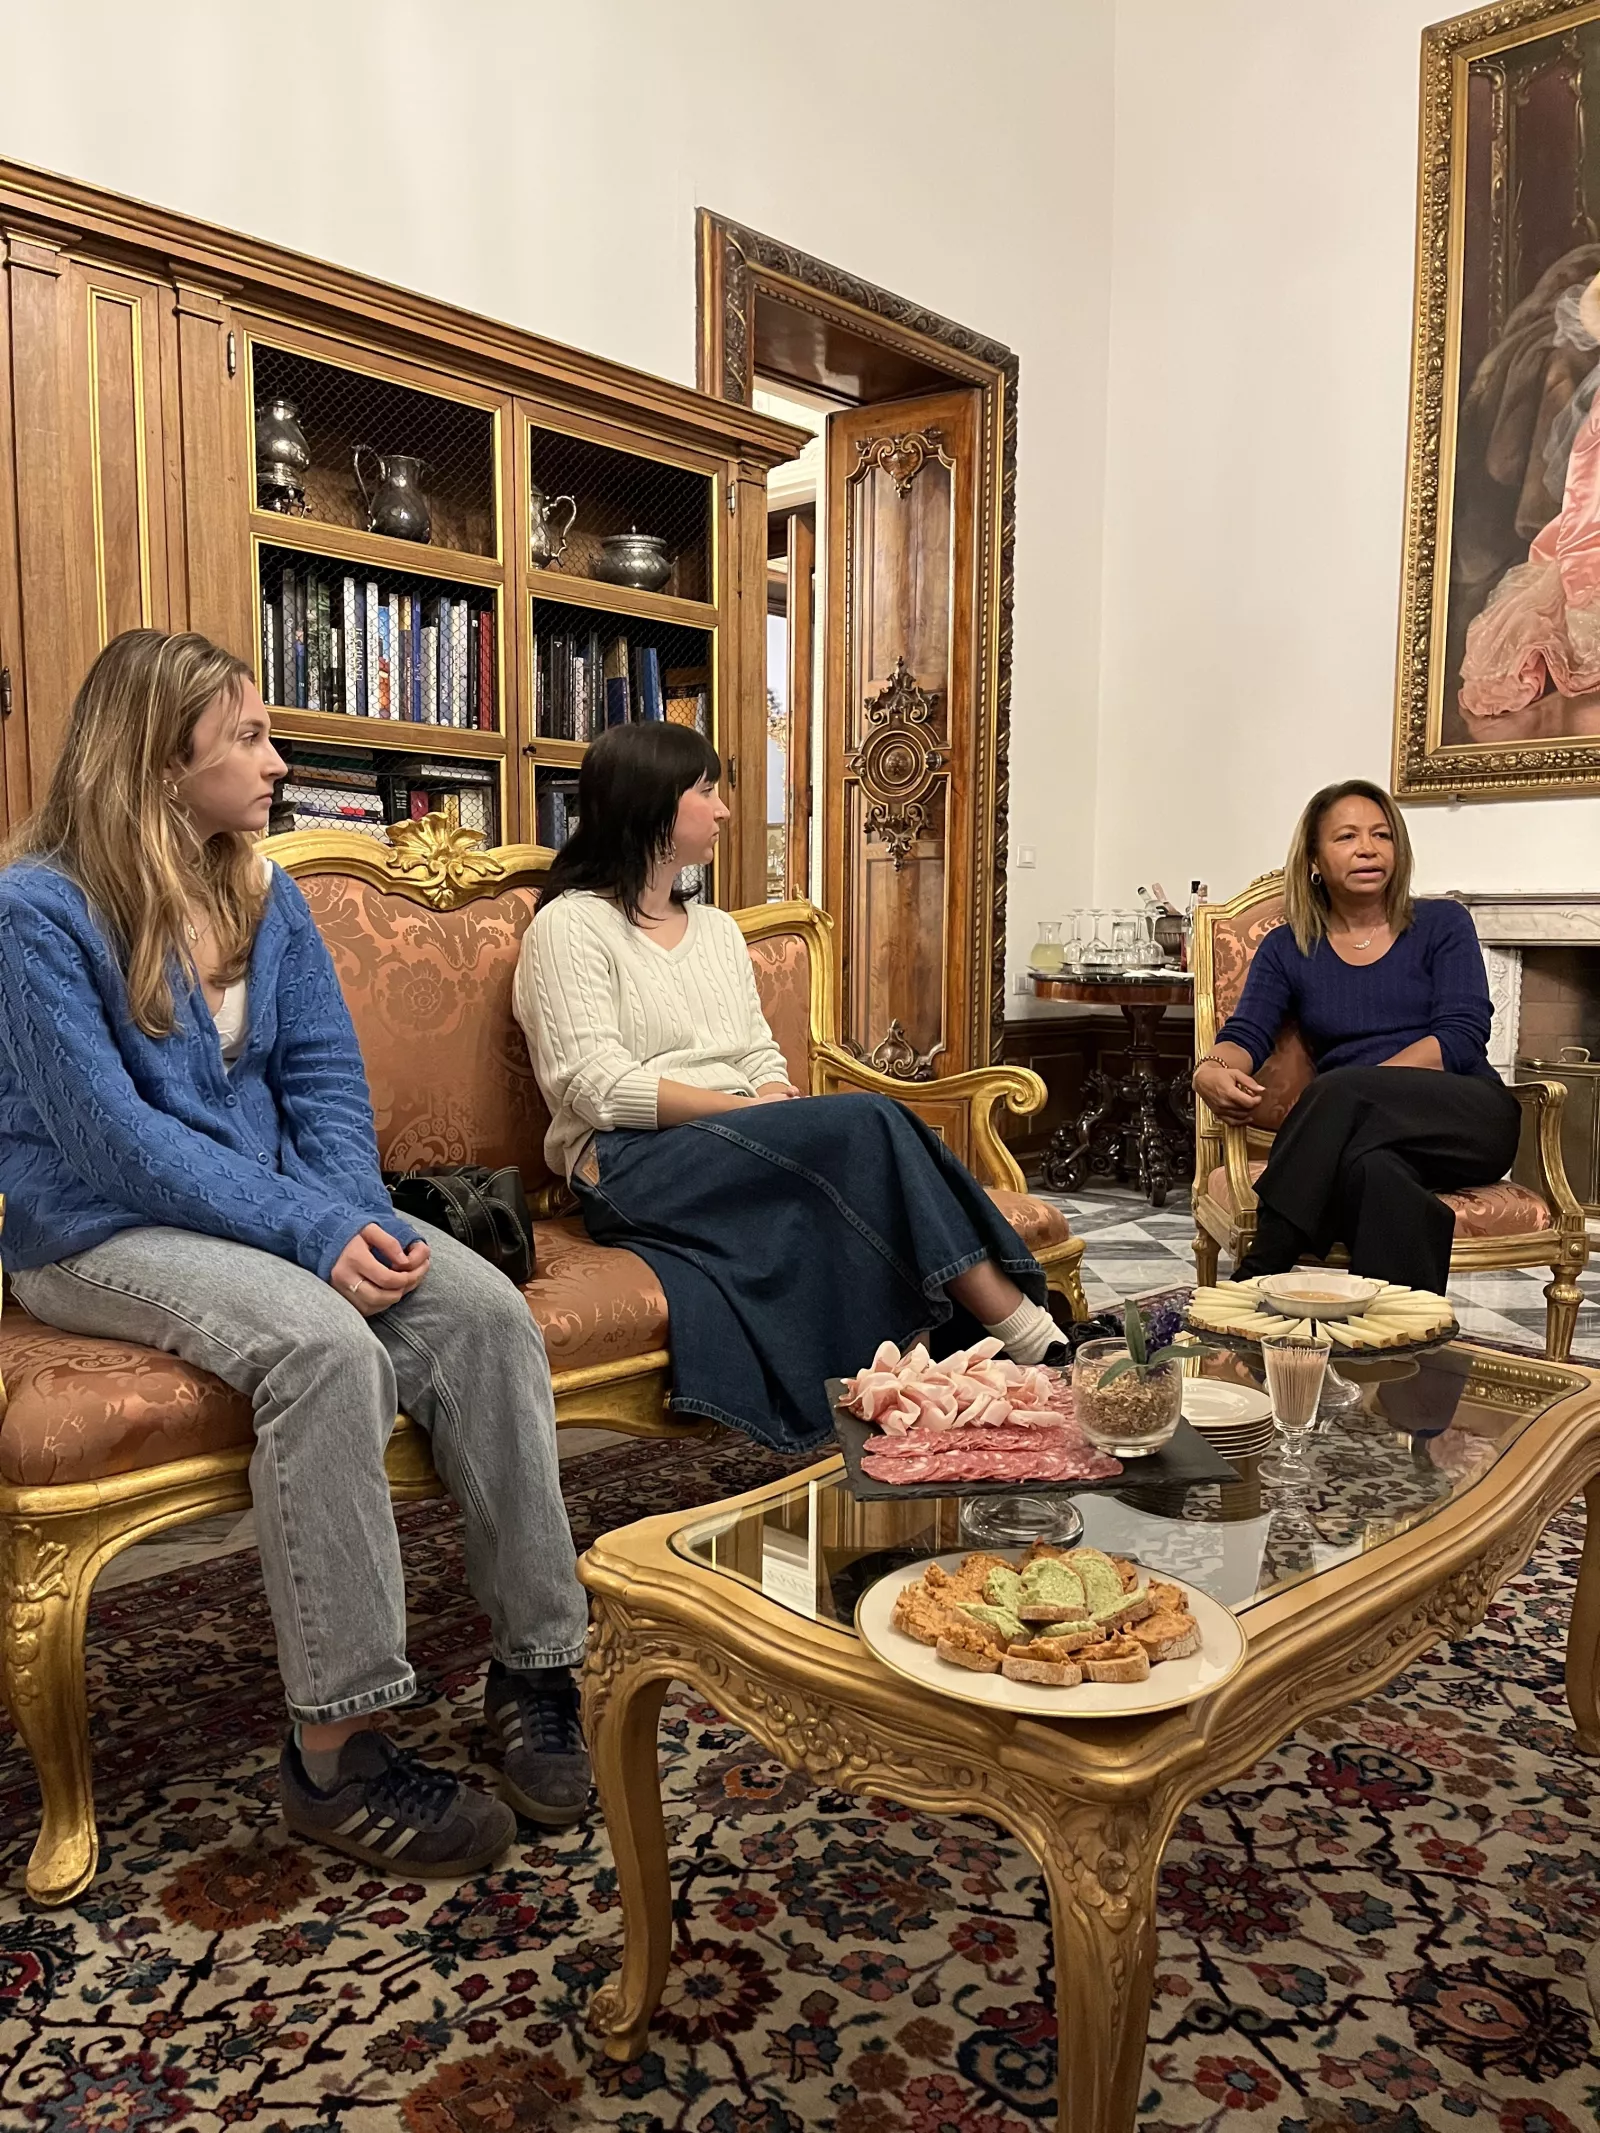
103 1128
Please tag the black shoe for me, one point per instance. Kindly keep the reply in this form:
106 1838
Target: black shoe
394 1812
544 1769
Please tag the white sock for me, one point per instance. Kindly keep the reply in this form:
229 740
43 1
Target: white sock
321 1764
1027 1333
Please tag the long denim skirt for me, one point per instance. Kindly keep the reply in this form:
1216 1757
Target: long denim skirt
790 1240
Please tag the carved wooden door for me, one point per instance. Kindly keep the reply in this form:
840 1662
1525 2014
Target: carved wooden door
89 362
900 850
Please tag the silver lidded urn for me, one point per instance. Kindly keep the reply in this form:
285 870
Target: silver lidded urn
634 558
283 458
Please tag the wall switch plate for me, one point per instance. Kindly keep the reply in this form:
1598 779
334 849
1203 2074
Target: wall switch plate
1026 858
1020 984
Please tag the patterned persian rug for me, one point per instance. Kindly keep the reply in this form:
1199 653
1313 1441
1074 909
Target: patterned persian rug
1382 1927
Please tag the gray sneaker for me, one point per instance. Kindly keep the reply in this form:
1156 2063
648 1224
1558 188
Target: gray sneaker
544 1768
394 1812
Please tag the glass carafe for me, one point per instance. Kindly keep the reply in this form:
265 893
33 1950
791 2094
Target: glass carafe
1047 956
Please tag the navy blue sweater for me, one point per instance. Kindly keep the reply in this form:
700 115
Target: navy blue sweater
104 1129
1430 984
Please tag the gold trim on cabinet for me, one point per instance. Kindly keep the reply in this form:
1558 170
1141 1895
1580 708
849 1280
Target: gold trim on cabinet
572 591
134 307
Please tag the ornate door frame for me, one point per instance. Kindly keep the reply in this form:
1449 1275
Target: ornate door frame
736 266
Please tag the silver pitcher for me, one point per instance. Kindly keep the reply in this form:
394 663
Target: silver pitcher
544 548
637 559
396 504
282 456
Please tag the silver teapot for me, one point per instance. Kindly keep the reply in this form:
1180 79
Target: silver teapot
395 501
544 548
634 558
282 456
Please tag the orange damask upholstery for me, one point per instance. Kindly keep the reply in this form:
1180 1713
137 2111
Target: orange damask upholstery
430 992
81 1408
783 979
1287 1071
594 1304
1504 1210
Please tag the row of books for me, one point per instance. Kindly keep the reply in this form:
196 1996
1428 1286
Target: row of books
343 644
583 682
555 811
320 792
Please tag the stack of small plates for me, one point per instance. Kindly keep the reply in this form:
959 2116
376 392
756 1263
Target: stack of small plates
1235 1420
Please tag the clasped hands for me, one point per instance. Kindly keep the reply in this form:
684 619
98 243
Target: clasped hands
375 1270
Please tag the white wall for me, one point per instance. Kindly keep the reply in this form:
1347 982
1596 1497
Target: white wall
958 156
1264 220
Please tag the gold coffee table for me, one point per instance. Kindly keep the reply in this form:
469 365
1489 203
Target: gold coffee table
1425 1501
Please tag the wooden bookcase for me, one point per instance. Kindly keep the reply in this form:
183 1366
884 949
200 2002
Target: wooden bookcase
135 347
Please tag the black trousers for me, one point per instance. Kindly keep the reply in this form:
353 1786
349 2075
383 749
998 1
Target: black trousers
1359 1161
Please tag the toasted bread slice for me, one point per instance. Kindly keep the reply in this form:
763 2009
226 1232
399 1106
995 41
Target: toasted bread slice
1124 1659
1070 1637
920 1613
1133 1609
1164 1596
1050 1673
1171 1633
1099 1576
968 1581
1128 1572
976 1658
1044 1612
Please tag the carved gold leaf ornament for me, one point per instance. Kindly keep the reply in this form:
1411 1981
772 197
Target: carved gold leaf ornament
441 860
901 457
37 1576
896 1055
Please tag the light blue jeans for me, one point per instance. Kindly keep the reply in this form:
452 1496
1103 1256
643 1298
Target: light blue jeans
460 1355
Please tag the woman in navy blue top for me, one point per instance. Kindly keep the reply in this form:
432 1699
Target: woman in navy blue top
189 1162
1390 997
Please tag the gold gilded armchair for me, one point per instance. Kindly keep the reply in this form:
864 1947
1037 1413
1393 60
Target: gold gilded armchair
103 1443
1500 1225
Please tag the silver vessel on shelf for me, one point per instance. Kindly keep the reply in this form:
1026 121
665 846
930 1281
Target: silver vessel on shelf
547 545
634 558
395 500
283 458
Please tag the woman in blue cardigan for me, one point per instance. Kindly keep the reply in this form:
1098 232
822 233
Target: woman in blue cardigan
189 1162
1390 996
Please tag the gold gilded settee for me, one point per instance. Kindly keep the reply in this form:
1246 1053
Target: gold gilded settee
103 1443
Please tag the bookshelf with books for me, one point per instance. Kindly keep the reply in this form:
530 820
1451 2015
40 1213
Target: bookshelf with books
270 401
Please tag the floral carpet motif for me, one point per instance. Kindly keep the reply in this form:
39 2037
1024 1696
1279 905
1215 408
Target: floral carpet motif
1380 1929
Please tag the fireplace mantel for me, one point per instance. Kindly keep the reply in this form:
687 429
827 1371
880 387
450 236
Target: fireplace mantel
1507 924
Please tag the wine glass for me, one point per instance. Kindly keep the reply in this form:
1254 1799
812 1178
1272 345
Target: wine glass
1072 940
1124 939
1097 949
1296 1364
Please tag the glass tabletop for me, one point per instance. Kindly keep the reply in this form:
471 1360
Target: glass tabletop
1427 1428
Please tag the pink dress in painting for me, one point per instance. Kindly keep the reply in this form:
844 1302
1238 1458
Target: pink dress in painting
1542 622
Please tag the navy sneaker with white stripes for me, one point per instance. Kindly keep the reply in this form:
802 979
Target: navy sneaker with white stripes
544 1766
395 1812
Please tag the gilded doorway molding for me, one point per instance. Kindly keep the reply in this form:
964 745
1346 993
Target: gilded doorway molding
738 268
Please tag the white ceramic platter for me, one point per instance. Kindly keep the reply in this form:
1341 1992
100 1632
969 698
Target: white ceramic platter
1173 1682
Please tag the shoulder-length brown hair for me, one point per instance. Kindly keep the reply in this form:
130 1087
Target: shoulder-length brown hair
1305 900
113 818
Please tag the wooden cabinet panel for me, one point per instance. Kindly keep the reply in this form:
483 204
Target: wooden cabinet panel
85 368
218 483
900 855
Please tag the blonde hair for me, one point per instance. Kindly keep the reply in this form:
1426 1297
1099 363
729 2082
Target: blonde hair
1305 901
113 821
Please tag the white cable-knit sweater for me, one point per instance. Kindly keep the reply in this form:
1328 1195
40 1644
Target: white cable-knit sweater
609 1014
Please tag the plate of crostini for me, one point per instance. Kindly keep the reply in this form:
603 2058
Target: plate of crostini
1052 1632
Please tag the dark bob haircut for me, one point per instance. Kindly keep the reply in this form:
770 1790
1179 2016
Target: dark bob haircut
628 792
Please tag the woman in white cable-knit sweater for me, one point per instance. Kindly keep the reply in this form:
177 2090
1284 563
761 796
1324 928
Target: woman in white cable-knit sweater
790 1234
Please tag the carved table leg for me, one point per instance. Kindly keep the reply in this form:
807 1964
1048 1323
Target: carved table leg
48 1574
622 1710
1583 1632
1101 1873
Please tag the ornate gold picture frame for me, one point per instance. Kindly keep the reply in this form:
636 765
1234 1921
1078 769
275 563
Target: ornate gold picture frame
1499 666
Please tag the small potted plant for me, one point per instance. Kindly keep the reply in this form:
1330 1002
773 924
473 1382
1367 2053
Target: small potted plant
1128 1398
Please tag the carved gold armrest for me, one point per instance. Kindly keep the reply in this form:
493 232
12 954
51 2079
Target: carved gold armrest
960 1108
1236 1159
1546 1100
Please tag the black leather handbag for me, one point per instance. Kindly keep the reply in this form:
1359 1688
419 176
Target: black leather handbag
486 1210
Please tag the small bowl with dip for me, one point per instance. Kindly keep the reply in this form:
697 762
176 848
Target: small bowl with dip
1319 1292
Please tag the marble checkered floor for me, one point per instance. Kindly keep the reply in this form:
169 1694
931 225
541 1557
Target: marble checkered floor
1133 1248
